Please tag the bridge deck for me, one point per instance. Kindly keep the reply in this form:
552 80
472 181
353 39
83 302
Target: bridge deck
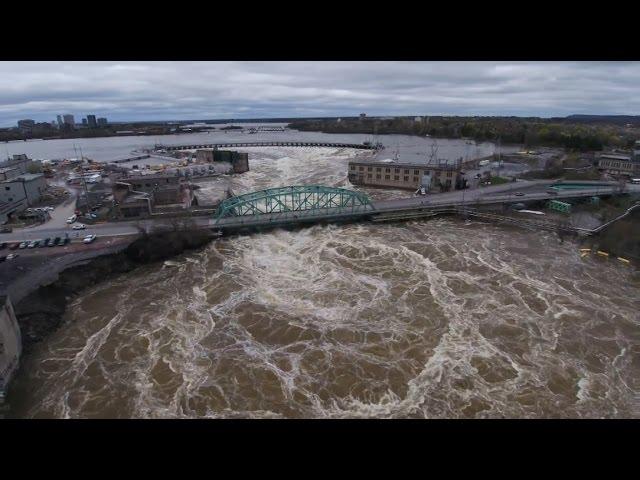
421 207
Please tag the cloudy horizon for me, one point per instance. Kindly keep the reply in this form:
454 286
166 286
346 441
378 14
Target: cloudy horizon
163 91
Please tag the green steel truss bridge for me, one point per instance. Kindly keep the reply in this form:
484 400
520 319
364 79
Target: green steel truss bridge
293 204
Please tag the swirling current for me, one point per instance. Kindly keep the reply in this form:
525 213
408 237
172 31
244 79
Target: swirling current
427 319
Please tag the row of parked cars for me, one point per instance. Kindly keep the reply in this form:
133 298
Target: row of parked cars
47 242
40 209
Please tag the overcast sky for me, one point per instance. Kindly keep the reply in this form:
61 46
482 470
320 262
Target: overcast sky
124 91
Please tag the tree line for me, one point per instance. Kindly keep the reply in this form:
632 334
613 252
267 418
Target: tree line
530 132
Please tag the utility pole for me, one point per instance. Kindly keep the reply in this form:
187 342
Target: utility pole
84 182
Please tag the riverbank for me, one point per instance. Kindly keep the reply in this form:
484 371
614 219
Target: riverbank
40 308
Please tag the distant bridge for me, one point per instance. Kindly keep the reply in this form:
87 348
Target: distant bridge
266 129
360 146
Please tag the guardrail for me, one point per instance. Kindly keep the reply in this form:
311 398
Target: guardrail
550 226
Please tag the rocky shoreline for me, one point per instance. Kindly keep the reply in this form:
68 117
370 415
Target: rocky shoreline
41 312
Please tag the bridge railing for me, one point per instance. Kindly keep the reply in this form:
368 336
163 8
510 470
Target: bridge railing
292 203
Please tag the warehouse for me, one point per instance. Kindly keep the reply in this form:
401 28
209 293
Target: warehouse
442 176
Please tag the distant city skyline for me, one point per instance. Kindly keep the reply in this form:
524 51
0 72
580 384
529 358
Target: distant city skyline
165 91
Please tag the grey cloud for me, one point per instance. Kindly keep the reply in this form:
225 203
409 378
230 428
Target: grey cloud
186 90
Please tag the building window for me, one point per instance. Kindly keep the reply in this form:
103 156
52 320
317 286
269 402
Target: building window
396 177
368 175
416 172
387 170
378 169
406 172
416 179
387 177
449 173
361 169
406 178
396 170
369 169
378 177
353 167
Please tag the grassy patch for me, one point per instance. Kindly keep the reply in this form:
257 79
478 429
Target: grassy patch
498 180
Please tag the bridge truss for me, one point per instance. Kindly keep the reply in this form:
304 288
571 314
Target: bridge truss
295 201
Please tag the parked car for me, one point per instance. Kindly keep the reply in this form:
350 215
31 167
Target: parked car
72 218
45 242
519 194
89 239
23 245
14 246
3 245
33 244
79 226
11 256
66 240
54 242
3 258
59 241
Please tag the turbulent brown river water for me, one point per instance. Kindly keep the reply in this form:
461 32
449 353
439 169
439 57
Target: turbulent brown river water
426 319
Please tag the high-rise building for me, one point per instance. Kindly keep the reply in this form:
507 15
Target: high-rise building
91 119
102 122
84 121
69 121
60 122
26 125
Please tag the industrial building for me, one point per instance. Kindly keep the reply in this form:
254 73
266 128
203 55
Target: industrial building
443 176
619 164
139 196
7 173
29 186
21 162
9 209
238 160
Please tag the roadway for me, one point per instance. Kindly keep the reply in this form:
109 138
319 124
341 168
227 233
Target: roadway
107 229
534 190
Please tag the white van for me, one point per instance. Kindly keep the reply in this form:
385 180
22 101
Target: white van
72 218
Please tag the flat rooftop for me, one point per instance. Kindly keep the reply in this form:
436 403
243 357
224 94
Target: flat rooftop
616 156
434 166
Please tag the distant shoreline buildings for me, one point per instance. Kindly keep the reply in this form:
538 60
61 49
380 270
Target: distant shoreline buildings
63 122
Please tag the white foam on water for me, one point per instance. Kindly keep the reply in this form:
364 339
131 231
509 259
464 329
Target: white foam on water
423 319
